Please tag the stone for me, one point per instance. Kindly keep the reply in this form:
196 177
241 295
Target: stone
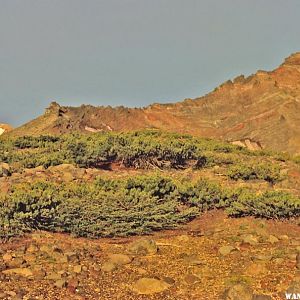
256 269
261 257
7 257
53 276
294 287
191 279
284 237
298 261
168 280
77 269
143 247
273 239
238 292
25 272
225 250
191 259
119 259
148 286
262 297
32 248
109 267
61 283
71 256
250 239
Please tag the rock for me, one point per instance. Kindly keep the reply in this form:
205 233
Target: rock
4 170
294 287
191 259
60 283
225 250
184 238
141 271
71 256
7 257
148 286
250 239
261 297
260 257
109 267
73 284
26 272
168 280
32 249
15 263
191 279
143 247
273 239
53 276
256 269
298 260
39 274
119 259
238 292
77 269
284 237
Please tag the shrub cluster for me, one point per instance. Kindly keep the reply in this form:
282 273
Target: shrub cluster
127 206
143 149
264 171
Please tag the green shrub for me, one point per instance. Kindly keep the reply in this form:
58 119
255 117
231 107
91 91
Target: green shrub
274 204
263 171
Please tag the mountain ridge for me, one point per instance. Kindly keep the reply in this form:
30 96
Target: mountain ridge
262 108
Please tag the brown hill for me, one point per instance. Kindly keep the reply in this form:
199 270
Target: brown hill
262 110
5 128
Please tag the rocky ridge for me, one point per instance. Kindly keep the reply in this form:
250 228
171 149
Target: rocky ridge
261 110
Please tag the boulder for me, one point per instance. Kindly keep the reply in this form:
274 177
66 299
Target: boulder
238 292
148 286
119 259
143 247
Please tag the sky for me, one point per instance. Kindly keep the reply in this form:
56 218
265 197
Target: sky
134 52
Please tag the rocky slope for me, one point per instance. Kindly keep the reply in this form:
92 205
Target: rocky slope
211 258
4 128
261 110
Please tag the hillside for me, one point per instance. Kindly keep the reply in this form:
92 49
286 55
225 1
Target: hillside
4 128
260 111
217 219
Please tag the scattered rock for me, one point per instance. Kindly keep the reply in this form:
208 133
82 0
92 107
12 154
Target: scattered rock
53 276
191 279
143 247
261 297
60 283
26 272
298 260
284 237
225 250
250 239
109 267
7 257
273 239
238 292
77 269
119 259
148 286
256 269
191 259
168 280
261 257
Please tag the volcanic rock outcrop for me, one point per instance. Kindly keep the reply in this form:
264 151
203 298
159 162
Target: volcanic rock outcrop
262 110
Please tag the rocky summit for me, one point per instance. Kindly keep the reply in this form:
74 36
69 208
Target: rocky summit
259 111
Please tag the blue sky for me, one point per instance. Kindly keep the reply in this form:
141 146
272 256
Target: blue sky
134 52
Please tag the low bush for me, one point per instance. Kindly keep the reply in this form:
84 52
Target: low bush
126 206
